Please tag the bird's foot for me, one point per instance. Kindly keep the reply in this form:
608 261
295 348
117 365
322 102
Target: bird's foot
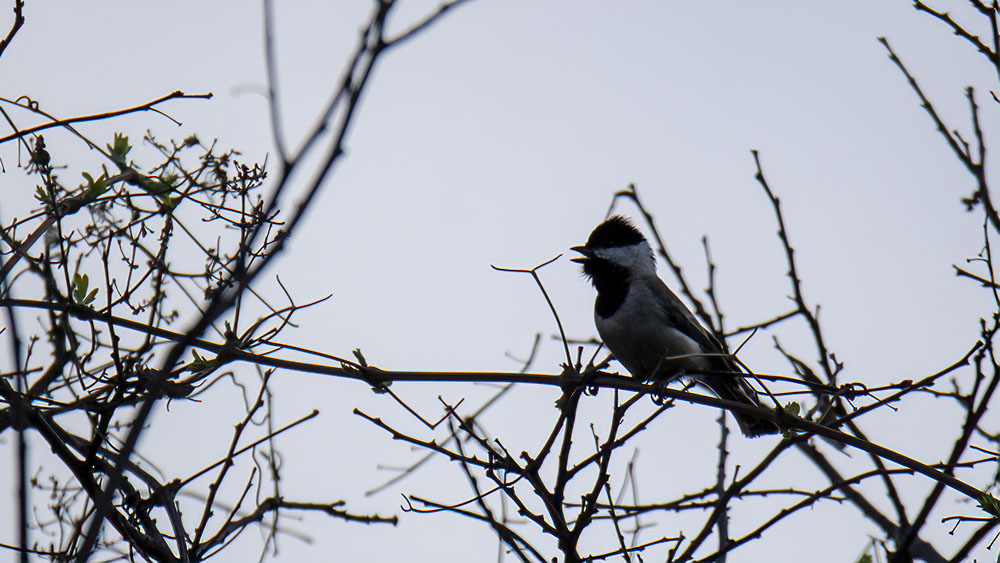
659 386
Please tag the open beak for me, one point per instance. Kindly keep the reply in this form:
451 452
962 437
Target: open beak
587 253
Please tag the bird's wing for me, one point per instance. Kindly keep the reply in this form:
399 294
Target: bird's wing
681 318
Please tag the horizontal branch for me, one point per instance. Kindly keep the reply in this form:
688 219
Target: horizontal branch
380 378
177 94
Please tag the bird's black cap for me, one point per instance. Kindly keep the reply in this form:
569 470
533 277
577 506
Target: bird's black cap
616 231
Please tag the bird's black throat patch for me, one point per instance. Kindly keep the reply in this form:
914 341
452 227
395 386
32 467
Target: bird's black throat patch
611 282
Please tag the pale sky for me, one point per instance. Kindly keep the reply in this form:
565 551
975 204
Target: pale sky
498 137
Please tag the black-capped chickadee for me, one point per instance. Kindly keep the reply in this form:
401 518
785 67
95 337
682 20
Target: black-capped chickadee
648 329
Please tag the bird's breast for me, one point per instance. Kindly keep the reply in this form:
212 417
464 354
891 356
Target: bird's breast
643 342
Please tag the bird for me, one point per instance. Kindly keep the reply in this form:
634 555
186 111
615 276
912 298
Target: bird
648 329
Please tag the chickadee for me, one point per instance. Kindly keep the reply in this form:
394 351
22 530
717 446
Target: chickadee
647 328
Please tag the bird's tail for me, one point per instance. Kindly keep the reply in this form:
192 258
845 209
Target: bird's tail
736 389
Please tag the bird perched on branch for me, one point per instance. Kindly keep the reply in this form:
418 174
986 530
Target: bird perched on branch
648 329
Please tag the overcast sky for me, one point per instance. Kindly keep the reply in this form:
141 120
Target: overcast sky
498 137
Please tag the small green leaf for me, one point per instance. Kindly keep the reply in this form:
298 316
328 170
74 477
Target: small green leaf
379 385
160 188
990 504
201 364
81 283
360 357
119 149
95 188
792 408
865 559
43 196
156 187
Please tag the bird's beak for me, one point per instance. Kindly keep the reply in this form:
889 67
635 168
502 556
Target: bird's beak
587 253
